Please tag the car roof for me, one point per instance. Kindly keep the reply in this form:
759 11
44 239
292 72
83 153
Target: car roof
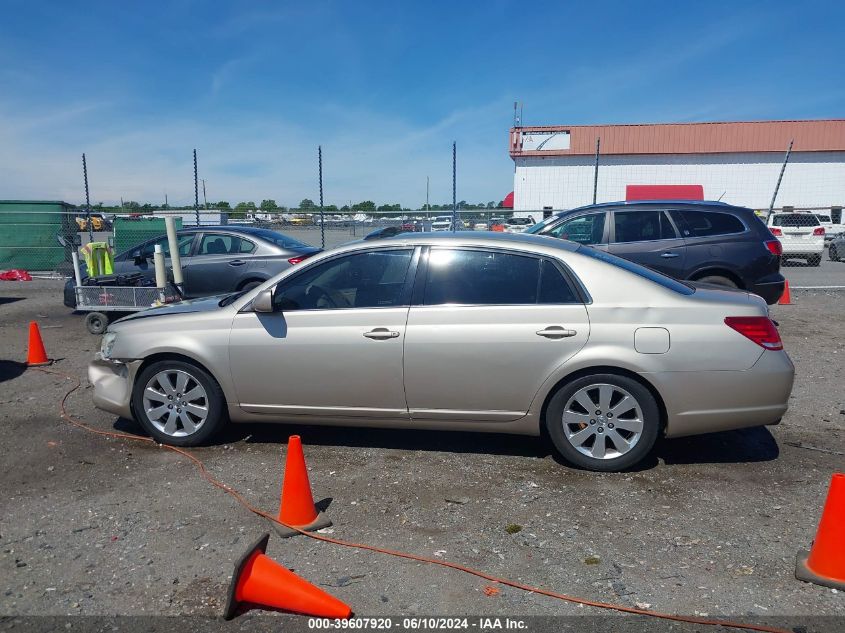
232 228
714 204
470 238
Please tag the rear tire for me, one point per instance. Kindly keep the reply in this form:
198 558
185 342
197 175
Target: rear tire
250 285
718 280
833 253
616 431
815 260
178 403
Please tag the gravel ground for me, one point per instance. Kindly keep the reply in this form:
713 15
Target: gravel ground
710 525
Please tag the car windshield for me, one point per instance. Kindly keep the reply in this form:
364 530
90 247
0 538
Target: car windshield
823 218
642 271
278 239
537 228
795 220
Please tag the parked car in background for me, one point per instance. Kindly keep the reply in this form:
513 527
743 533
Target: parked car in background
481 225
707 242
518 225
831 229
442 223
801 234
836 250
388 231
215 259
466 331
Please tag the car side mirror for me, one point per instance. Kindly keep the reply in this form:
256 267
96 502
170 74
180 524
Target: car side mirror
263 303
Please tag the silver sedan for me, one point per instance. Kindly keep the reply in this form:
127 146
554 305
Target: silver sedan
465 331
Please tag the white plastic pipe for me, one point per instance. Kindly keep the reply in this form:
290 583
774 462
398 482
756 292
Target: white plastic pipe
173 244
77 273
161 271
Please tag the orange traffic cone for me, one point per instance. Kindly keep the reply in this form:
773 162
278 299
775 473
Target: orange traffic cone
37 355
785 298
825 564
261 581
297 505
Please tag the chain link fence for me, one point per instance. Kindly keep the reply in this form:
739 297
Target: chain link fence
40 236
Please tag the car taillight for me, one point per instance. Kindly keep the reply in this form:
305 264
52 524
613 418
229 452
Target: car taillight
775 247
761 330
297 259
776 232
818 231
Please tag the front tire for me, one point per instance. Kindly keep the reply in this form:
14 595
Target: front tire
603 422
178 403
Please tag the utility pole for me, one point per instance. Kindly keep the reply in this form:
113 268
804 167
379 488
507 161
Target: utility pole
454 185
166 206
322 215
782 169
596 170
87 201
204 199
427 205
196 190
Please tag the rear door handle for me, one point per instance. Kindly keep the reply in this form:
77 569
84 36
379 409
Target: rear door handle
556 332
381 334
237 262
669 255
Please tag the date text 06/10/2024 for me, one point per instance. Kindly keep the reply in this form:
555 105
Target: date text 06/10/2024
418 624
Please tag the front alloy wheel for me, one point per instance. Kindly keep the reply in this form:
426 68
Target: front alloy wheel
178 403
604 422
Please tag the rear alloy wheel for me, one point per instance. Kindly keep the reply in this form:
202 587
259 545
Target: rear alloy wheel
717 280
250 285
178 403
603 422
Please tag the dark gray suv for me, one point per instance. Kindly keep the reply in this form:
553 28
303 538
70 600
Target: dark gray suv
708 242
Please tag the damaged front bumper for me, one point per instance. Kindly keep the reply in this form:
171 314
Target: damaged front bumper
112 381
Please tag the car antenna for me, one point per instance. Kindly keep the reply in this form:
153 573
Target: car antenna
719 199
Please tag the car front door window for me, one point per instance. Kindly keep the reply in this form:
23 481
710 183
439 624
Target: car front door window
374 279
583 229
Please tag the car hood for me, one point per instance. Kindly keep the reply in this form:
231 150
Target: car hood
203 304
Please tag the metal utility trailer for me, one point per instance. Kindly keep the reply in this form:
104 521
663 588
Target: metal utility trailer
105 303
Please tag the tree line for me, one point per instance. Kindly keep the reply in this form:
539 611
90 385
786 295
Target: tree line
306 205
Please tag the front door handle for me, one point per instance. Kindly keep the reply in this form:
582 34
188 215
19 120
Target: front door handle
381 334
556 332
237 262
669 255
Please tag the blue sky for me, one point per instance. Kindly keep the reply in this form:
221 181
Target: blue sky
385 87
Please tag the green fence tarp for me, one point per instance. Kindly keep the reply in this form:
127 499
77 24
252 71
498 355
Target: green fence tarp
129 232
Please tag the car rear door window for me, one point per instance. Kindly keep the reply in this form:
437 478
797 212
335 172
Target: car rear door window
584 229
479 277
642 226
374 279
184 242
223 244
708 223
553 286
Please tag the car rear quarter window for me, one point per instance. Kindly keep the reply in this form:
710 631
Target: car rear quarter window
708 223
642 271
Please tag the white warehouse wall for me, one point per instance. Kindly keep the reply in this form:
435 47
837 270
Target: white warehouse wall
812 179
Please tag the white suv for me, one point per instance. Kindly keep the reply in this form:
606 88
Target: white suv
800 234
831 230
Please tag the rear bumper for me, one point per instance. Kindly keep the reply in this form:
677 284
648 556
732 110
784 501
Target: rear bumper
112 382
708 401
770 288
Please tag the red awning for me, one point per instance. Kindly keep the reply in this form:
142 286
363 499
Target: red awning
664 192
507 203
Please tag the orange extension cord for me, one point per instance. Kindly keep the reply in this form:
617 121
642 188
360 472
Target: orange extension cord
372 548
